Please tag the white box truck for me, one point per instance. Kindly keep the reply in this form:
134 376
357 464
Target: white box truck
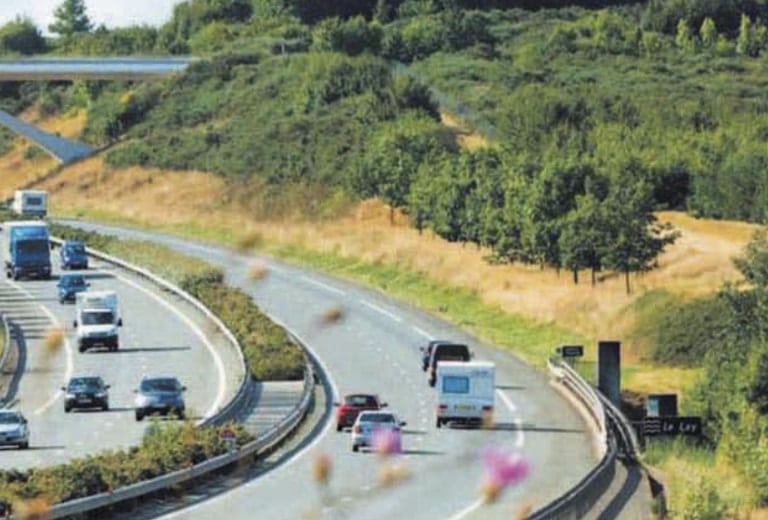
465 392
97 320
30 203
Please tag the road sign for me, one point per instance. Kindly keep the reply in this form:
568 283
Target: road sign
672 426
571 350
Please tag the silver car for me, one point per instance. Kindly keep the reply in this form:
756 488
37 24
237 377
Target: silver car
162 394
377 427
14 430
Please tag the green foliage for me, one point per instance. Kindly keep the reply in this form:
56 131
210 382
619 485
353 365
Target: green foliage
21 36
70 18
685 336
352 37
165 449
33 152
120 41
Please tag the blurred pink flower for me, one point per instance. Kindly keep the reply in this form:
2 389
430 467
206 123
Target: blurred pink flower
502 469
387 442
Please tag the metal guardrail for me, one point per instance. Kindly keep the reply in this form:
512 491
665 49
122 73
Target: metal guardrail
224 414
265 442
4 357
578 501
626 437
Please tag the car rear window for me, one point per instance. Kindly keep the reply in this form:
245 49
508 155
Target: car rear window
378 417
360 400
456 385
451 353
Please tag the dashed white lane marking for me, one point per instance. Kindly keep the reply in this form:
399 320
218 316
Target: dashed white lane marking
422 332
381 311
507 401
322 285
67 347
519 431
220 372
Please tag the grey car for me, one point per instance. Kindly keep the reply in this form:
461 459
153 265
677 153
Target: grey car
160 395
14 430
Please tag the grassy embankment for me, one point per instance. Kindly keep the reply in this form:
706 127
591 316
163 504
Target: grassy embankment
522 308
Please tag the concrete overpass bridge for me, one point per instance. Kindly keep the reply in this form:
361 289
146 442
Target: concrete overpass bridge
70 69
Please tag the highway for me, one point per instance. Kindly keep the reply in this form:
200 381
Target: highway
160 335
373 348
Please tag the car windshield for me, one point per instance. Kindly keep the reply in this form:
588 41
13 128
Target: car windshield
361 400
73 281
33 246
75 248
97 318
378 418
85 383
9 418
160 385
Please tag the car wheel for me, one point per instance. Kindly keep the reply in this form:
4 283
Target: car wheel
180 415
81 348
339 427
438 423
105 407
355 448
24 445
67 408
139 415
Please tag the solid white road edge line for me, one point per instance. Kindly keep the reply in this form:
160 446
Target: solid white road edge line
222 376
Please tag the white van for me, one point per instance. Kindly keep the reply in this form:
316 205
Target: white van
97 320
30 203
465 392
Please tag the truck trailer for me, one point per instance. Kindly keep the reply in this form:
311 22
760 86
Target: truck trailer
466 391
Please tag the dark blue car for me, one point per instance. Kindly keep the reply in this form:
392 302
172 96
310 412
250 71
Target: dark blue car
72 255
69 285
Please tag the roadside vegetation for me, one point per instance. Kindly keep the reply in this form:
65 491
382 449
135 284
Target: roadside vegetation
592 118
164 449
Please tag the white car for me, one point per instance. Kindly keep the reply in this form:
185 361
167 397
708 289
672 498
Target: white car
379 430
13 429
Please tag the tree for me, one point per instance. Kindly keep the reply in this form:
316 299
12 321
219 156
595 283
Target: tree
746 43
582 237
633 238
21 36
708 33
684 38
70 18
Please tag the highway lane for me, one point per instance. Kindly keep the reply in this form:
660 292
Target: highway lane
374 348
159 336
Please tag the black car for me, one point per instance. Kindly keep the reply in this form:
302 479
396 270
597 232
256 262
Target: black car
426 351
445 351
86 392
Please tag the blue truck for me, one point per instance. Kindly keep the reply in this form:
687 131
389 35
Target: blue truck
27 249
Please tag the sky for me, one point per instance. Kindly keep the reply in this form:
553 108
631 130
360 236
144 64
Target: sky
112 13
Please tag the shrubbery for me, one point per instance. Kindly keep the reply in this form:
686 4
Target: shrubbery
163 450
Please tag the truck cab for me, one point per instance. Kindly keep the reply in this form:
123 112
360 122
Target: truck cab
465 392
97 320
27 249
